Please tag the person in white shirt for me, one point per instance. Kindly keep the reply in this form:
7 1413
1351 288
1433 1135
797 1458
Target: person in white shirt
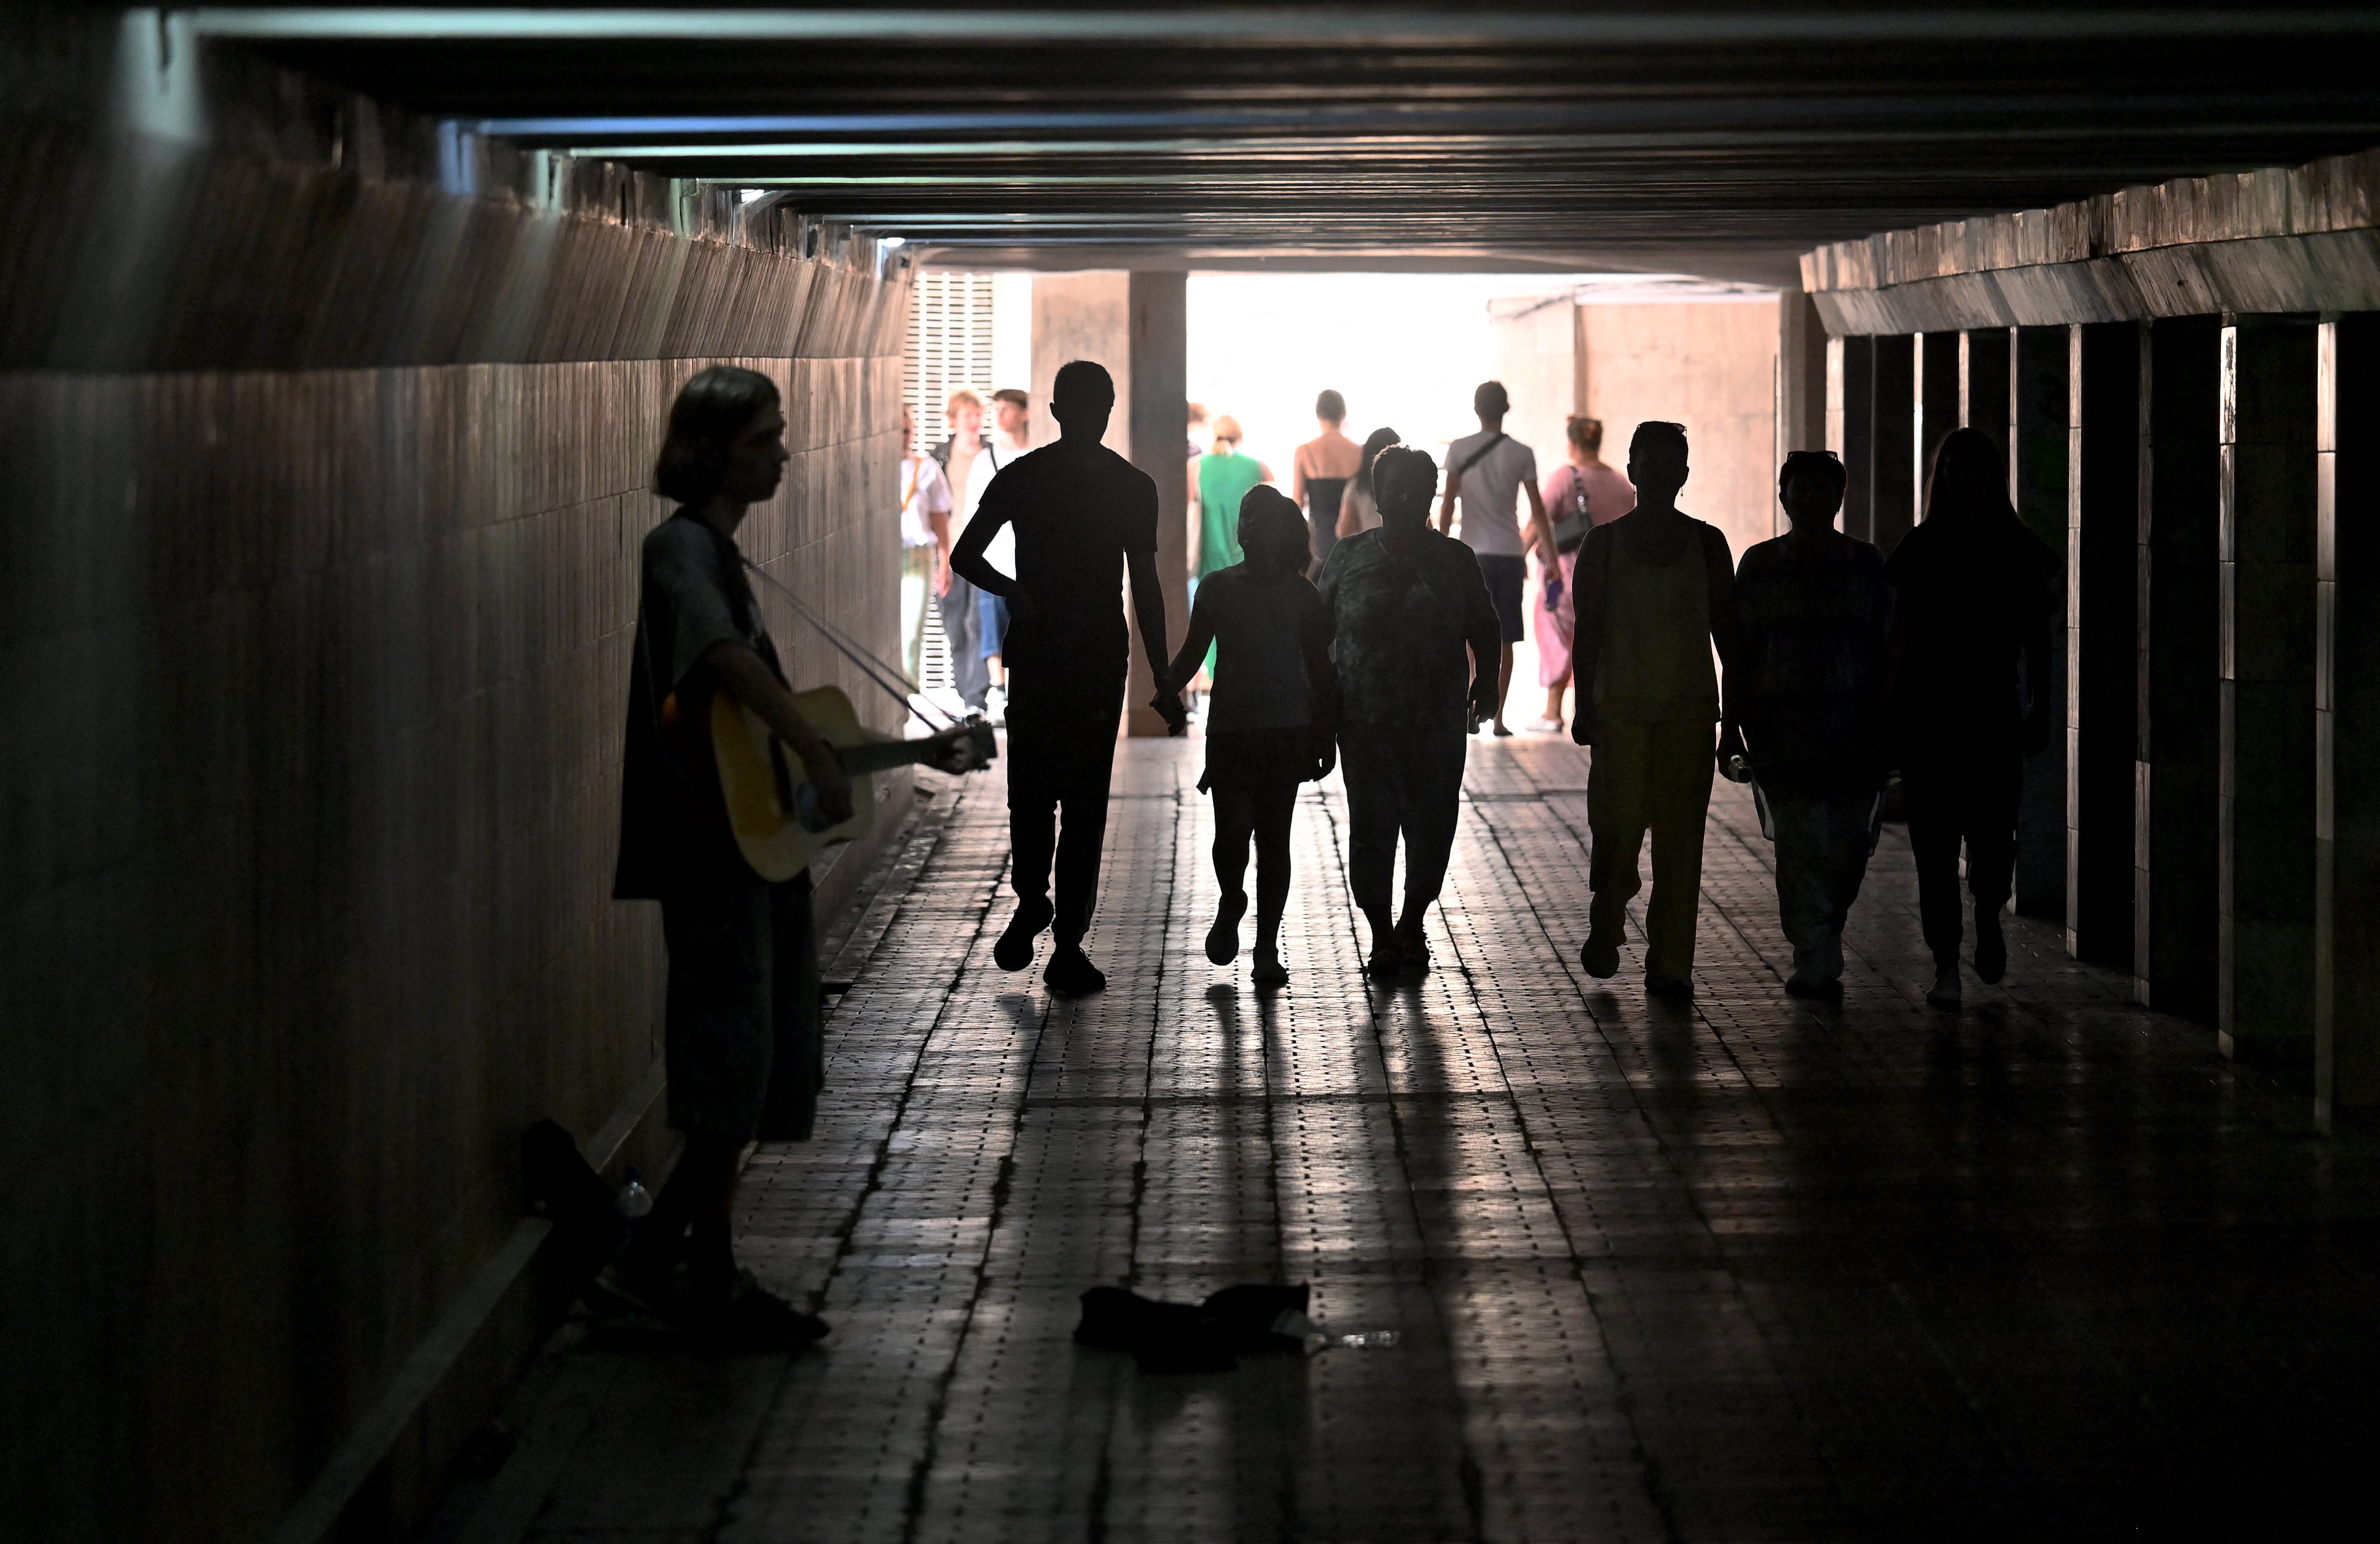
1488 472
1012 422
958 455
925 541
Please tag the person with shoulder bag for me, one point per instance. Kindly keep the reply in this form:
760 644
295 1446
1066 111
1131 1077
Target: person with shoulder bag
1583 494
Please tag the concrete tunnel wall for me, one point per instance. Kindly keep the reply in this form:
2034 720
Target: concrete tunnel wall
326 446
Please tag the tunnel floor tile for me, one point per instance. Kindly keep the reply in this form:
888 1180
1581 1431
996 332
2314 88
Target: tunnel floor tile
1741 1267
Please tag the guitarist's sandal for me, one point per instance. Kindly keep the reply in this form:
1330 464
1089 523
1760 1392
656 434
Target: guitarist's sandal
771 804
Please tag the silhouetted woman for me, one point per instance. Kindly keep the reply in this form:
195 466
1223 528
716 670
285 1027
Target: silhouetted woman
1975 593
1271 721
1320 471
1359 509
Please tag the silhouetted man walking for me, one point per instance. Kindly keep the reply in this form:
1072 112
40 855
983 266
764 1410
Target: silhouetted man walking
1655 593
1816 617
1082 515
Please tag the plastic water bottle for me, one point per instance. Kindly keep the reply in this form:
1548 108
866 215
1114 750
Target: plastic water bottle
1360 1340
635 1203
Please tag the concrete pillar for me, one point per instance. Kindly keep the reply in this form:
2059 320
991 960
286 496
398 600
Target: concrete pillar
2176 873
2265 564
1804 372
1851 427
1134 325
1159 441
1892 503
1938 403
1082 316
1985 399
2016 384
2346 721
2103 504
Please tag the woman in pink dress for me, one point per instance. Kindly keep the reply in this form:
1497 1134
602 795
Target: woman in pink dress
1582 485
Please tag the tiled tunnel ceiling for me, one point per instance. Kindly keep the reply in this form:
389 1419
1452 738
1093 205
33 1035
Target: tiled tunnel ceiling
1572 132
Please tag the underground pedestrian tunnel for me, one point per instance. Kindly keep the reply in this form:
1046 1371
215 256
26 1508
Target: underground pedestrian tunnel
337 343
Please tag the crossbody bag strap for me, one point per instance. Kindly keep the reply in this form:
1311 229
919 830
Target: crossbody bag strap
1473 459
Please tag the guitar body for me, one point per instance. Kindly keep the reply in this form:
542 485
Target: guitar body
760 774
764 780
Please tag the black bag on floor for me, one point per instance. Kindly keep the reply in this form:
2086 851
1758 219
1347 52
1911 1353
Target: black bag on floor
1178 1337
558 1183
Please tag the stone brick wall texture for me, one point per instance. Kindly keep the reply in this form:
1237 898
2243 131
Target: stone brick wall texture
313 656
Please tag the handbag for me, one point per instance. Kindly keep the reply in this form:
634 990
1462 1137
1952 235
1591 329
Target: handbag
1570 531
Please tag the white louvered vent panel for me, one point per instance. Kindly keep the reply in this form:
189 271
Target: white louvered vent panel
949 345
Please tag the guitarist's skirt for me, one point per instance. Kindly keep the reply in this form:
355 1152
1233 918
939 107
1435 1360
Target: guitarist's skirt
745 1053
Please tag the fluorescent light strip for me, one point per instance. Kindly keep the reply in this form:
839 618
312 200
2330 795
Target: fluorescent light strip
1550 118
1244 27
1354 147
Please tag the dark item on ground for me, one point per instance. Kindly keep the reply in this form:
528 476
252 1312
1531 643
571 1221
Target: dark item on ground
558 1183
1182 1337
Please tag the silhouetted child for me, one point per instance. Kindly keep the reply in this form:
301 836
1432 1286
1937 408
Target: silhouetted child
1269 723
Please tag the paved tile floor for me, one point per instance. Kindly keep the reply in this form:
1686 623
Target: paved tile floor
1745 1269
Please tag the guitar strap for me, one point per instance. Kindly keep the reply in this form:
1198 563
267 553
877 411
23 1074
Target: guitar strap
884 676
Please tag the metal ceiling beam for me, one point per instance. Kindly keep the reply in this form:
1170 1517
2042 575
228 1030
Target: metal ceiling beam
1730 126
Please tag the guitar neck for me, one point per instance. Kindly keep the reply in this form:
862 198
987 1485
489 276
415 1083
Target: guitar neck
875 756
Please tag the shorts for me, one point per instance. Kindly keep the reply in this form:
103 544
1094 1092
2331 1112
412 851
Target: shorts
1506 575
742 1044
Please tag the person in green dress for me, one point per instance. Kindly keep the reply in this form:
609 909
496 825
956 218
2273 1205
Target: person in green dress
1225 475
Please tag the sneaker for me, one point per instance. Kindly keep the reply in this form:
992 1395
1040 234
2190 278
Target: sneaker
1014 949
995 707
1991 950
1268 970
1543 726
745 1316
1599 958
1944 993
1071 973
1223 938
1798 985
1668 986
1413 952
1386 961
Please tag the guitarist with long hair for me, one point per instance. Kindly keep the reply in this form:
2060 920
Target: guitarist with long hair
743 1007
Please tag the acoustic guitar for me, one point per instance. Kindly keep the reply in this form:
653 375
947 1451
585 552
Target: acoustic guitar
770 805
